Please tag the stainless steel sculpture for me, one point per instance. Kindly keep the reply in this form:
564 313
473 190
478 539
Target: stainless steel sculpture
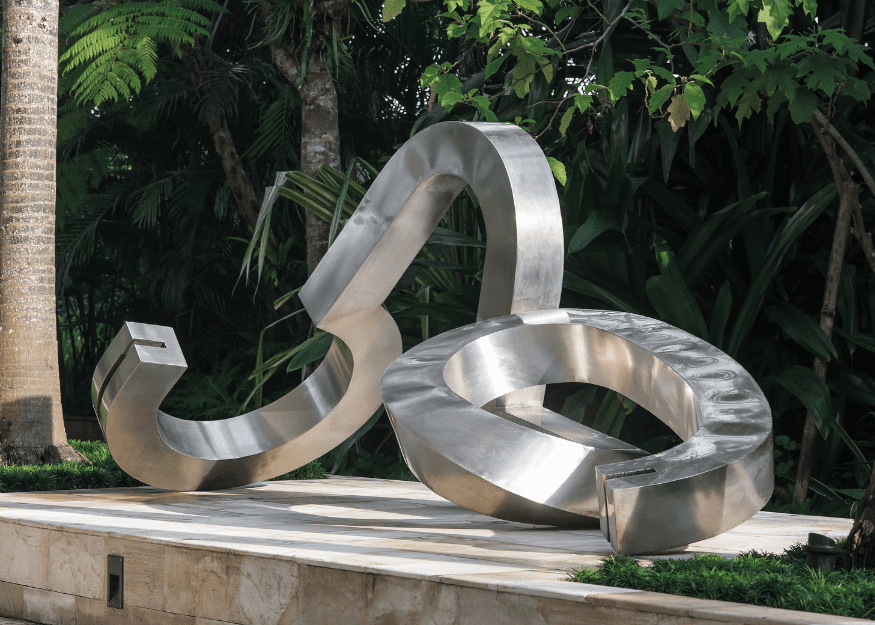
543 470
467 405
510 176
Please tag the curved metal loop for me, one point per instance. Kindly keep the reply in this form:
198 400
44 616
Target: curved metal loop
512 180
720 476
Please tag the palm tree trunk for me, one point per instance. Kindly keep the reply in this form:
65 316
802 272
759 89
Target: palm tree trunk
31 419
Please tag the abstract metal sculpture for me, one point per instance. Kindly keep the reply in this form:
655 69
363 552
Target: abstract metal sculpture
542 471
467 405
524 260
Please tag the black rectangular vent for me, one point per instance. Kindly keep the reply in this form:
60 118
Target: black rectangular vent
115 586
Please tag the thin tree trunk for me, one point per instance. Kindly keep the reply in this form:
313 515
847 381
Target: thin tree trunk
320 133
238 181
847 202
31 418
320 145
859 551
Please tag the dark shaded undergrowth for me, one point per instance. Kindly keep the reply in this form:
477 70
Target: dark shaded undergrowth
102 473
776 581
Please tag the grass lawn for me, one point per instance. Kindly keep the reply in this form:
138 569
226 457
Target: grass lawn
102 473
777 581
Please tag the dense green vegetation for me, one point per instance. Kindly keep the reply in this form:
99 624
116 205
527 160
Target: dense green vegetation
776 581
103 472
718 220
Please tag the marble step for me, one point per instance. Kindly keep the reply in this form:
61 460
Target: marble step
335 552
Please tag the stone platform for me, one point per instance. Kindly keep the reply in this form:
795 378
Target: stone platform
343 551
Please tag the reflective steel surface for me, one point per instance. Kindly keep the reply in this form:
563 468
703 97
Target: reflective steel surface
510 176
549 470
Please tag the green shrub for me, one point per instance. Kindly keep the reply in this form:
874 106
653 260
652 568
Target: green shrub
777 581
103 472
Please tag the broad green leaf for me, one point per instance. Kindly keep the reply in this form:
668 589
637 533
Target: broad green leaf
523 74
669 139
803 107
729 24
672 305
566 12
863 339
531 5
852 445
598 222
660 97
566 121
674 205
392 9
482 103
575 406
614 300
793 226
494 65
720 315
665 74
775 15
489 12
620 84
547 68
311 351
706 241
812 392
582 102
695 99
449 99
748 103
802 329
667 7
558 169
670 268
856 386
855 493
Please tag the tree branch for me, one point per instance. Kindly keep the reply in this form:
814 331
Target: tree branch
859 230
848 199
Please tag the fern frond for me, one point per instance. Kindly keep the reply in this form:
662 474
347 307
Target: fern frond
115 50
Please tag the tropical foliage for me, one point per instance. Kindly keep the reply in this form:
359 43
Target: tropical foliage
777 581
692 188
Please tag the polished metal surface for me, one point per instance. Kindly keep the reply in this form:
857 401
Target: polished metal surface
512 180
549 470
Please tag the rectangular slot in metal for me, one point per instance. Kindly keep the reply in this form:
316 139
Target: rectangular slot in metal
115 584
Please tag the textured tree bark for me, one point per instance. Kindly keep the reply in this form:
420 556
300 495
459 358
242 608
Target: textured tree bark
31 418
238 182
320 133
848 198
320 145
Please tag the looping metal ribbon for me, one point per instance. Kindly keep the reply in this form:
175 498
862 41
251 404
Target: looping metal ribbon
467 405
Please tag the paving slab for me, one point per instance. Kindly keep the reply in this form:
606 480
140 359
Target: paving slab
336 551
